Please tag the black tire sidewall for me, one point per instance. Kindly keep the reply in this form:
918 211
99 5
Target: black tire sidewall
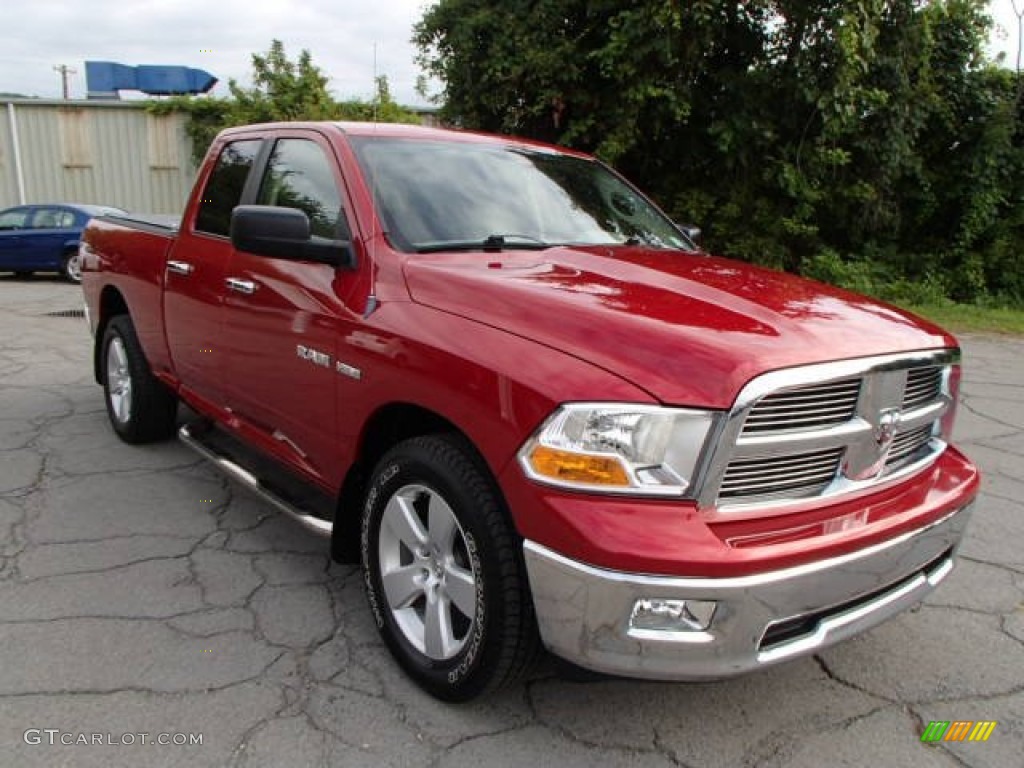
64 268
470 671
153 412
115 330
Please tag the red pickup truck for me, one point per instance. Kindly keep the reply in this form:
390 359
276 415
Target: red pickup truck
500 377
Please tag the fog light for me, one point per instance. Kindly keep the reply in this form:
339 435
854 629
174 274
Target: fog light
653 614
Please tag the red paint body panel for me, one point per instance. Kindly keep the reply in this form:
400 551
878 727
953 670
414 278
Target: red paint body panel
138 259
493 343
690 329
670 538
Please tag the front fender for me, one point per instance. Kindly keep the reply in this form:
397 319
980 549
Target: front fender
495 387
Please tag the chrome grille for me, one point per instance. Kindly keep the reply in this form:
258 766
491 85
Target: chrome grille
793 475
829 429
816 405
906 444
923 386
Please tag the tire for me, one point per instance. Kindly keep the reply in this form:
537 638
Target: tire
456 613
71 267
141 408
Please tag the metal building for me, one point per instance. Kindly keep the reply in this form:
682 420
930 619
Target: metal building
101 152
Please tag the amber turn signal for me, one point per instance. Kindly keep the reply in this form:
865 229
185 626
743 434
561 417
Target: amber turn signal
570 467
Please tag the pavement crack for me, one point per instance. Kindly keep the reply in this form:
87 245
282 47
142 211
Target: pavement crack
666 751
965 402
981 561
570 735
139 689
836 678
106 569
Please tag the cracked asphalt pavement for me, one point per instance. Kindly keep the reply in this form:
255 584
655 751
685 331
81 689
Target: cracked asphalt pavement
141 592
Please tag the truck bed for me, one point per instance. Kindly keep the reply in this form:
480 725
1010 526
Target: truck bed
158 223
134 247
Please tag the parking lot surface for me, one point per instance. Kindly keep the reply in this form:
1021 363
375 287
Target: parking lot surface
143 593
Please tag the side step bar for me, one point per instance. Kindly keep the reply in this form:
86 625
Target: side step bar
250 481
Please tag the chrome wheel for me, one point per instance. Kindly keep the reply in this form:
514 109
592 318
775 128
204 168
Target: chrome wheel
427 573
73 268
119 381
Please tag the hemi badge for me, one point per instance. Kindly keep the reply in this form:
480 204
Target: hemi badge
348 370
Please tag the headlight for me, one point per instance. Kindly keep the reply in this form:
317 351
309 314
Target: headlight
613 448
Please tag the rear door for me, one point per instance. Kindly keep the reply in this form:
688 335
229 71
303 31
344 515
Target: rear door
284 318
195 271
48 234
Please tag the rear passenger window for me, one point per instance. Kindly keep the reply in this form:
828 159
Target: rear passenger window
299 175
224 187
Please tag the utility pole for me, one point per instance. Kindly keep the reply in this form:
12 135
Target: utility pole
65 75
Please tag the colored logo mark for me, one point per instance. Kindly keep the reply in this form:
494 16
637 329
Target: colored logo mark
958 730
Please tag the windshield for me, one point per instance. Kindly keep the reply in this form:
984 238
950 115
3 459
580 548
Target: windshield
434 195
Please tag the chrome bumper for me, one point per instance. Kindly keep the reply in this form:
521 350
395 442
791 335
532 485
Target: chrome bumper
584 613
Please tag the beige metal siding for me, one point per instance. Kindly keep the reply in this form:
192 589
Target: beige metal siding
104 153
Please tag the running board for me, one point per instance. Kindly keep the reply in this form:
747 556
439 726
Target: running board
238 473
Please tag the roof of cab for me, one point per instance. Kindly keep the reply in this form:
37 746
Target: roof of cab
415 132
425 133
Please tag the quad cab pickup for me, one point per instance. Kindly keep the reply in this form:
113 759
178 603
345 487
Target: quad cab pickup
500 377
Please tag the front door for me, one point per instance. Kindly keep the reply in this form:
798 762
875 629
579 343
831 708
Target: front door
13 228
284 318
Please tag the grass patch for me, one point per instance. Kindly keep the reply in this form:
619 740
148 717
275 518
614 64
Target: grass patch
970 318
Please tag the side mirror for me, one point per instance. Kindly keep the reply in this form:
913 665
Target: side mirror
284 233
693 233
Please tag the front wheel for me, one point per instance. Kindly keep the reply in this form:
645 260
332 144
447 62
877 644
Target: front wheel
442 569
140 407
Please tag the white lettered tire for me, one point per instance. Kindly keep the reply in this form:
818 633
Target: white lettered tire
443 570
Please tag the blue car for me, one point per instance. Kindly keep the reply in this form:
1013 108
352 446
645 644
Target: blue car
44 238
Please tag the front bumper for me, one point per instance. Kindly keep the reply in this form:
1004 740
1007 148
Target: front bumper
584 613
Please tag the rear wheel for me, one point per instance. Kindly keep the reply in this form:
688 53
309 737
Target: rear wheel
443 573
141 409
71 267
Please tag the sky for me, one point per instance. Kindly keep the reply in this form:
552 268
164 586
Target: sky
220 36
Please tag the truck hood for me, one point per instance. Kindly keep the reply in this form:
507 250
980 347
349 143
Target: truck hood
690 329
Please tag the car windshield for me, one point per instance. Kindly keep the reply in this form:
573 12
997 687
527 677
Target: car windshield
438 195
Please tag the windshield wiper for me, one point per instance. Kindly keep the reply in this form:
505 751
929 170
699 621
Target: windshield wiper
489 243
649 242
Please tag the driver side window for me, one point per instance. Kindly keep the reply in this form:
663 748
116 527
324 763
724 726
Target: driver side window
299 175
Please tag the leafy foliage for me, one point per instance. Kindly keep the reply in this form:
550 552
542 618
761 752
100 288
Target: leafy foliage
865 142
282 91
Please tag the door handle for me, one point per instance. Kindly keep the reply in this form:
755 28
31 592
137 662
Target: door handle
242 286
180 267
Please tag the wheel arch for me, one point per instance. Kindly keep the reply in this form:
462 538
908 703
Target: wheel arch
386 427
112 303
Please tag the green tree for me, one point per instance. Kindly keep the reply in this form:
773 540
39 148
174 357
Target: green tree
281 91
866 142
